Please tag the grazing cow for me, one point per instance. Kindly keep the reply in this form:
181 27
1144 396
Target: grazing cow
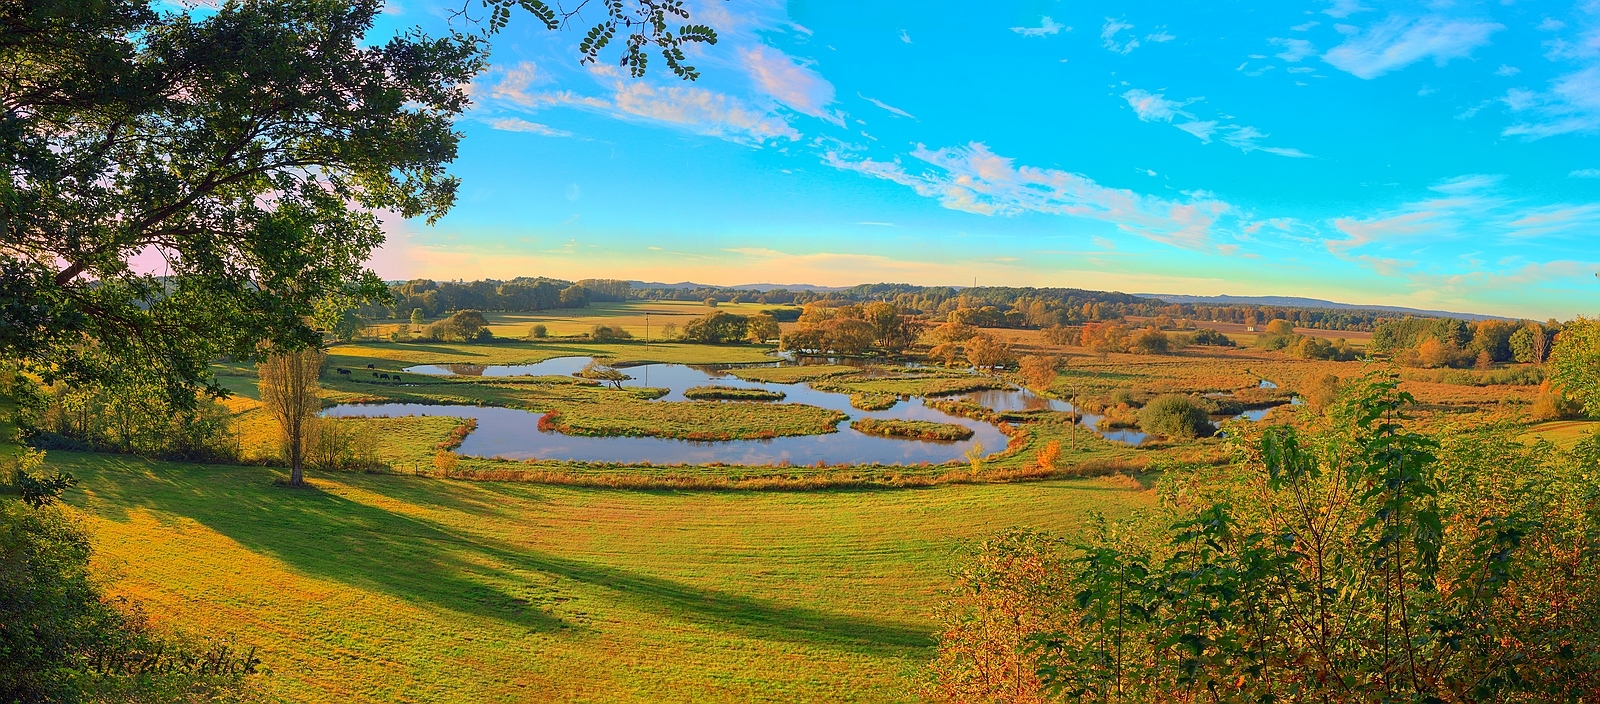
372 366
396 377
383 376
345 372
374 375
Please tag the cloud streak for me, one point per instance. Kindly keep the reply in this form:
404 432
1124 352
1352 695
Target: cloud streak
974 179
1047 27
1397 42
1156 107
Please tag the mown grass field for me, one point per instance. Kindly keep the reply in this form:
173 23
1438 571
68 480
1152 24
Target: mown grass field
1563 433
396 588
630 316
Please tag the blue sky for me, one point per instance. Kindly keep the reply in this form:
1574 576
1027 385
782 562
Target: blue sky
1440 155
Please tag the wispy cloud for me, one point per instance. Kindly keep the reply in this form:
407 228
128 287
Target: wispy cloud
1294 50
686 107
517 124
974 179
892 109
1108 36
778 75
1571 104
1467 209
1156 107
1153 107
1046 28
905 37
1584 173
1345 8
1248 139
1397 42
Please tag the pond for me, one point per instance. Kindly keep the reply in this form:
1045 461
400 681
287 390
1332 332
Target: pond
513 434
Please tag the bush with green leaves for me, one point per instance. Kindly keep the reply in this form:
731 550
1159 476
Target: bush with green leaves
1352 560
62 640
1175 416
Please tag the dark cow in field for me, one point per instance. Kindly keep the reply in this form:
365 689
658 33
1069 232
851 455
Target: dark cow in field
345 372
374 375
383 376
372 366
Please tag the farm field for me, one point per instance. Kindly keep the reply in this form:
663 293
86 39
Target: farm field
630 316
393 588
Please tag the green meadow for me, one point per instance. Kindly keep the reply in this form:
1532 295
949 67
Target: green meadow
397 588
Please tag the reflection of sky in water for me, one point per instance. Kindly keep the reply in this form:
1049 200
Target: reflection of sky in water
512 433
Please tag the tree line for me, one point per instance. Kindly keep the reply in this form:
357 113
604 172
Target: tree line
991 307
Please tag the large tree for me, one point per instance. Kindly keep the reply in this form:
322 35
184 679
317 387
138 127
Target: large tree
182 186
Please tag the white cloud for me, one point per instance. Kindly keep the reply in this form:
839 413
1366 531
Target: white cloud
517 124
1046 27
1572 104
1294 50
905 37
975 180
1248 139
702 111
1584 173
1551 24
1108 36
1153 107
1345 8
1398 42
892 109
1507 70
1202 129
1156 107
1159 36
778 75
1304 27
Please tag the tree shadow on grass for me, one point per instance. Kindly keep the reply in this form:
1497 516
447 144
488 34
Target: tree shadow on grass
329 537
315 533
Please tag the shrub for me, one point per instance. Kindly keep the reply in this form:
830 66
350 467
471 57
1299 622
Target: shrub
1552 404
716 328
463 325
608 333
63 640
1318 567
1149 341
1175 416
538 332
1212 338
1048 455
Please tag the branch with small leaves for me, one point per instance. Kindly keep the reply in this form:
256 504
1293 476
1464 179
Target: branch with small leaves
644 23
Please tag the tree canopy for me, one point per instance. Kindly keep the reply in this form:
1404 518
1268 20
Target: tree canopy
184 186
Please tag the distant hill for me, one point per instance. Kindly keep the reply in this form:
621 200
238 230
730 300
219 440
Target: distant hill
763 288
1296 302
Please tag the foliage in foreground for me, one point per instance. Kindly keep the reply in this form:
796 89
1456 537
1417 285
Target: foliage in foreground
61 640
1353 561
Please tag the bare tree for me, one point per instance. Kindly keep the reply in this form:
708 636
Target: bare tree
289 389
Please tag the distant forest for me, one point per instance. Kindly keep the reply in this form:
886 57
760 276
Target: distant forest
984 307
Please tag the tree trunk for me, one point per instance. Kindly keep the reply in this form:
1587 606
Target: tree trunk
296 463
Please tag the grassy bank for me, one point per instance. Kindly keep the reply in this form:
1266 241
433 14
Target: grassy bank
393 588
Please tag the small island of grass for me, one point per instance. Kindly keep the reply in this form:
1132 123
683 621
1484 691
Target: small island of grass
873 401
731 393
913 429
